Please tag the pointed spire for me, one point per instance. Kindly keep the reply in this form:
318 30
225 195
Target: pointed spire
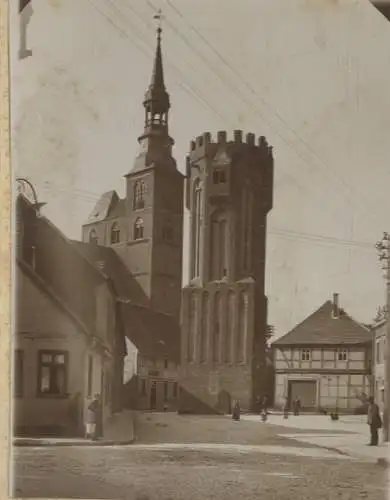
158 72
156 97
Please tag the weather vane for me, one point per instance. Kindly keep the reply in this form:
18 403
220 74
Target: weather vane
158 17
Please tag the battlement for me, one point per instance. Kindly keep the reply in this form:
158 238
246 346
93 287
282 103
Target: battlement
203 143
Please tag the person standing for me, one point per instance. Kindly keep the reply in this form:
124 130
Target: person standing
93 411
297 406
374 421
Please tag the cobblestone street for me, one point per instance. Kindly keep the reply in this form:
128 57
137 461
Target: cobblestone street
226 460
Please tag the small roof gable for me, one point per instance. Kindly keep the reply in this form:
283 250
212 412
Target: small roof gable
108 205
322 328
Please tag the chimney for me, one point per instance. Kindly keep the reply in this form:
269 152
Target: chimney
336 308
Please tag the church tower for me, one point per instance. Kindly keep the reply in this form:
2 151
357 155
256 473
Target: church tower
229 192
146 228
154 202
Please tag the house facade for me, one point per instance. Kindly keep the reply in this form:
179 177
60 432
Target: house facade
325 361
68 343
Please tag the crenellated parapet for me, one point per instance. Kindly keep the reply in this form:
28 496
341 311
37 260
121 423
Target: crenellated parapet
204 145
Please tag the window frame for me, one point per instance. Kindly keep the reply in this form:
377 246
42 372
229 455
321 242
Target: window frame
139 225
305 354
340 354
41 365
115 234
139 195
219 175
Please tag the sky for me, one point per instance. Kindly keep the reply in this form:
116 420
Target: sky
311 75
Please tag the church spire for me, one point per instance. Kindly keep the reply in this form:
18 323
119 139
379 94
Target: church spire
155 141
156 100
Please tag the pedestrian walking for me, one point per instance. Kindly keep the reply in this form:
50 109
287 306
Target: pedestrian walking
93 414
285 408
374 421
297 406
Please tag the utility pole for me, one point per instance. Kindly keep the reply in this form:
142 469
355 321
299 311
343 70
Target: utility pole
383 248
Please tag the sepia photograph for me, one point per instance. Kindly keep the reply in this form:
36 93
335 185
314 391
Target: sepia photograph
200 270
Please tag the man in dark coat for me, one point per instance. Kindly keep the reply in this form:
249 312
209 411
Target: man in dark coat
374 421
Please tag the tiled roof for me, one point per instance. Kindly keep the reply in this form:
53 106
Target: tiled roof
384 7
108 205
153 333
321 328
107 260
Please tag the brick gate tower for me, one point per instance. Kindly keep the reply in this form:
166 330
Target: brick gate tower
229 192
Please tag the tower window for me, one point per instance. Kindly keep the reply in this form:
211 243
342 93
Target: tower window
93 238
219 176
139 229
115 234
139 195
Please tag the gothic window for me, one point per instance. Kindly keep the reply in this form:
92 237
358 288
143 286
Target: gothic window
93 238
196 226
242 328
219 246
219 175
229 328
216 333
115 233
192 329
246 219
139 229
139 195
204 329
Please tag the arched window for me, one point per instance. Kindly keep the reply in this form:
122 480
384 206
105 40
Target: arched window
93 238
216 332
219 246
242 327
115 233
139 229
196 226
139 195
246 220
203 348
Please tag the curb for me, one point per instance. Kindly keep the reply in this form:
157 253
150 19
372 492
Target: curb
55 444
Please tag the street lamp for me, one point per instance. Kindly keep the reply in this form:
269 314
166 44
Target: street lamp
25 186
383 249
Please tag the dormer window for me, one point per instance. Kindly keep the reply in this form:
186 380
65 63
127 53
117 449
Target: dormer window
139 195
219 176
115 234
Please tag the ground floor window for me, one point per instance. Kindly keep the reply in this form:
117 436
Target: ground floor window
52 373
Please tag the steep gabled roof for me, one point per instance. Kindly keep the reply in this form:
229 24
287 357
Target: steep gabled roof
321 328
107 261
108 205
153 333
